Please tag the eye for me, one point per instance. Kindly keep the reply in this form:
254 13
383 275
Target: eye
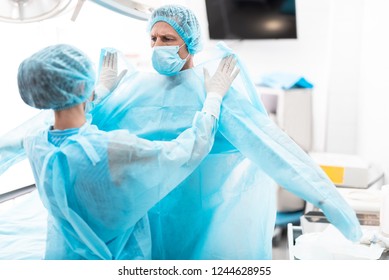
167 39
153 38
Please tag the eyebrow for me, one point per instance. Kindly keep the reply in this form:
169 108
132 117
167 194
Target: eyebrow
164 35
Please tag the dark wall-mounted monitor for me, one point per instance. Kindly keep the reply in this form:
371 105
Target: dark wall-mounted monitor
251 19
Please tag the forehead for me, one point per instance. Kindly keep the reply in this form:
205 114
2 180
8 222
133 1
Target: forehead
162 28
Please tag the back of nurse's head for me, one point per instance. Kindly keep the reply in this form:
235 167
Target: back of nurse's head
57 77
184 22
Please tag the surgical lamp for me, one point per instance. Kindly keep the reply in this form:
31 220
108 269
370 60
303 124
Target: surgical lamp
26 11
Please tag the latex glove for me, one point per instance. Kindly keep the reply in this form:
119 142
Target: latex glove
109 78
375 237
341 215
221 81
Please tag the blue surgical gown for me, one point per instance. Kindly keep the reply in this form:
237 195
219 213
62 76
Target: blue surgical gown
98 186
226 208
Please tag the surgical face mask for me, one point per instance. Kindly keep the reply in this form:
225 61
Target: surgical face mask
167 61
89 106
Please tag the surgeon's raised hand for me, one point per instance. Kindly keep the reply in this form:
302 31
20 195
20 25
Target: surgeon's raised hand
109 77
225 74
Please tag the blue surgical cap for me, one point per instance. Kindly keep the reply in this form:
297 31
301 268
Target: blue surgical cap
184 23
57 77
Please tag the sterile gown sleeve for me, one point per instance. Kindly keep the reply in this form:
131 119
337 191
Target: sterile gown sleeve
256 136
11 143
100 185
151 169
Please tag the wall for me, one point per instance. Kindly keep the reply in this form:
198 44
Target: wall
307 56
373 113
344 75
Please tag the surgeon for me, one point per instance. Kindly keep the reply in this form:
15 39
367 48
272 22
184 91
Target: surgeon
226 208
98 186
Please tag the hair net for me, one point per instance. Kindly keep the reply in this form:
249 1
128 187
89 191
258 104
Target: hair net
56 77
184 23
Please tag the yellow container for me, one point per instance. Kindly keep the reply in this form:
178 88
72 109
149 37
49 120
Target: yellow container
336 174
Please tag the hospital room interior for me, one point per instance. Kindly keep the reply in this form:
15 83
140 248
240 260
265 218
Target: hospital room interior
320 68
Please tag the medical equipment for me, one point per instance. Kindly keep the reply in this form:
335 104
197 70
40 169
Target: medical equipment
166 59
344 170
16 193
134 9
292 110
27 11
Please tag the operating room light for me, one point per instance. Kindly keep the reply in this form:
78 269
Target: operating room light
24 11
134 9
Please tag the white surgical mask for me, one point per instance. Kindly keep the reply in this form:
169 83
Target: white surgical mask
167 61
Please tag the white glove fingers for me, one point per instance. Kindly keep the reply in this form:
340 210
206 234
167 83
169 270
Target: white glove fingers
225 64
222 65
111 60
105 60
115 60
232 65
235 73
